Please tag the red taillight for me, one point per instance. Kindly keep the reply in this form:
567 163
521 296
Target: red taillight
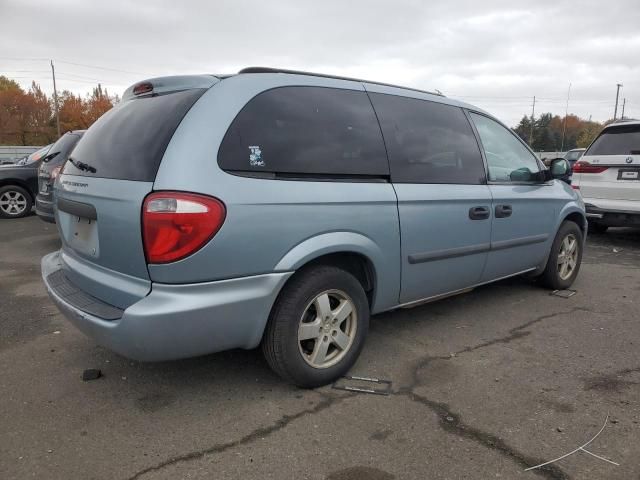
141 88
586 167
575 187
176 224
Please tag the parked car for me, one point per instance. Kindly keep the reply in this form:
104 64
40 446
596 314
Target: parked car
49 170
35 156
19 183
608 177
282 208
572 156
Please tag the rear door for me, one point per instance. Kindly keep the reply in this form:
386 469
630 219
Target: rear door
613 170
524 209
102 189
443 200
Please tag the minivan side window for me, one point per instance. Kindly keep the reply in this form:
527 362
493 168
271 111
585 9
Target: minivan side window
306 130
507 158
428 142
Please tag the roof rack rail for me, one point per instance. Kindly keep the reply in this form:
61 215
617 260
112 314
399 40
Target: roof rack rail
324 75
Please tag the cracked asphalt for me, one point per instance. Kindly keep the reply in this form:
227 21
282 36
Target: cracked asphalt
484 385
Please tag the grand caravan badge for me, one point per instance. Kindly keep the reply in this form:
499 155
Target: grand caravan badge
255 156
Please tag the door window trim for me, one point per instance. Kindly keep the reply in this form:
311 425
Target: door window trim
484 180
542 181
311 177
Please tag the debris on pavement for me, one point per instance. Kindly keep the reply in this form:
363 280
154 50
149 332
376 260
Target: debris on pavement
354 388
563 293
91 374
580 449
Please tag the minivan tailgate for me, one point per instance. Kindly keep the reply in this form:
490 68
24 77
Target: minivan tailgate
99 223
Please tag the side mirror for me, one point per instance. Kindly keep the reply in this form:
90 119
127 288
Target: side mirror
559 168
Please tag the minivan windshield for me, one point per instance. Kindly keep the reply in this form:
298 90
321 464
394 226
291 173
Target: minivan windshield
128 141
618 140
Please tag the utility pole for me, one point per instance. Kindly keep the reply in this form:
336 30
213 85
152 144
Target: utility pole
615 112
533 112
55 98
624 101
564 124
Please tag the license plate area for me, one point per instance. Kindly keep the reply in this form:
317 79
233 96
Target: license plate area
628 174
82 235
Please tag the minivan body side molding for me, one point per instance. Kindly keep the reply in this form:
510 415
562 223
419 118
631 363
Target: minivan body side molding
449 253
519 242
474 249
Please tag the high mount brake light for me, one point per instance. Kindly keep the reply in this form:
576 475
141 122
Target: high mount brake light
141 88
586 167
177 224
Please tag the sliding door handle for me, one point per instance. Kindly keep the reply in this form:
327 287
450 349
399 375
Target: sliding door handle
503 211
479 213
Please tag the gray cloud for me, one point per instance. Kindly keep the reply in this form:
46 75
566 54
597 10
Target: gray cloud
495 54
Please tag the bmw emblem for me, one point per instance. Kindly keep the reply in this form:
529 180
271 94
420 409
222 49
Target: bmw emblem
629 160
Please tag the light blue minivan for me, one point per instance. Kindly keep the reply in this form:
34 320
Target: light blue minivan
282 208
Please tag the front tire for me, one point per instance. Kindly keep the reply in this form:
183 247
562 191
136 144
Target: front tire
15 202
565 258
317 327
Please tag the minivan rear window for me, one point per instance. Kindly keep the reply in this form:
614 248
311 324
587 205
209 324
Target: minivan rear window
306 131
128 141
619 140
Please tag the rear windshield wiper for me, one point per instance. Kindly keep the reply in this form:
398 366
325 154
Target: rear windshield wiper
85 167
50 157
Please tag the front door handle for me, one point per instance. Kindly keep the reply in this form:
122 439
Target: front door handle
479 213
503 211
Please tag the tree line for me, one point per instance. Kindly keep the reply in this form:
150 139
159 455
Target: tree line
28 117
548 132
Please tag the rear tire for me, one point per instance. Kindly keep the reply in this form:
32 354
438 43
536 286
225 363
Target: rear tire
15 202
317 327
597 227
565 258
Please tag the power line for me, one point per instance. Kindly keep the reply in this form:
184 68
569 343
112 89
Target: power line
77 64
101 68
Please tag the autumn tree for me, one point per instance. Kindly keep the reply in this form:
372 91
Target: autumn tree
27 117
548 132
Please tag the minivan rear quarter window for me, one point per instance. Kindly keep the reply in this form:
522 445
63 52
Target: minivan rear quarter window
618 140
428 142
308 131
129 140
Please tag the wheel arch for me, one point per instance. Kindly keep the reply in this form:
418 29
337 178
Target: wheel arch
577 217
17 182
573 213
353 252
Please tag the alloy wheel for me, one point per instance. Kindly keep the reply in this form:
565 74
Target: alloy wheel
327 329
13 202
568 256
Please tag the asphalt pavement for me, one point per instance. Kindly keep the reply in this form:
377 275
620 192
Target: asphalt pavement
484 385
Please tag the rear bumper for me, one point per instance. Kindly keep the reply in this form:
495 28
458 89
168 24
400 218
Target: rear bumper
613 217
178 321
44 209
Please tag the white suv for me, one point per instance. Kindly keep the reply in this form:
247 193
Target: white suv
608 177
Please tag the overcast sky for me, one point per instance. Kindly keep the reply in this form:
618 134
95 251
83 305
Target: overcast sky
492 53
